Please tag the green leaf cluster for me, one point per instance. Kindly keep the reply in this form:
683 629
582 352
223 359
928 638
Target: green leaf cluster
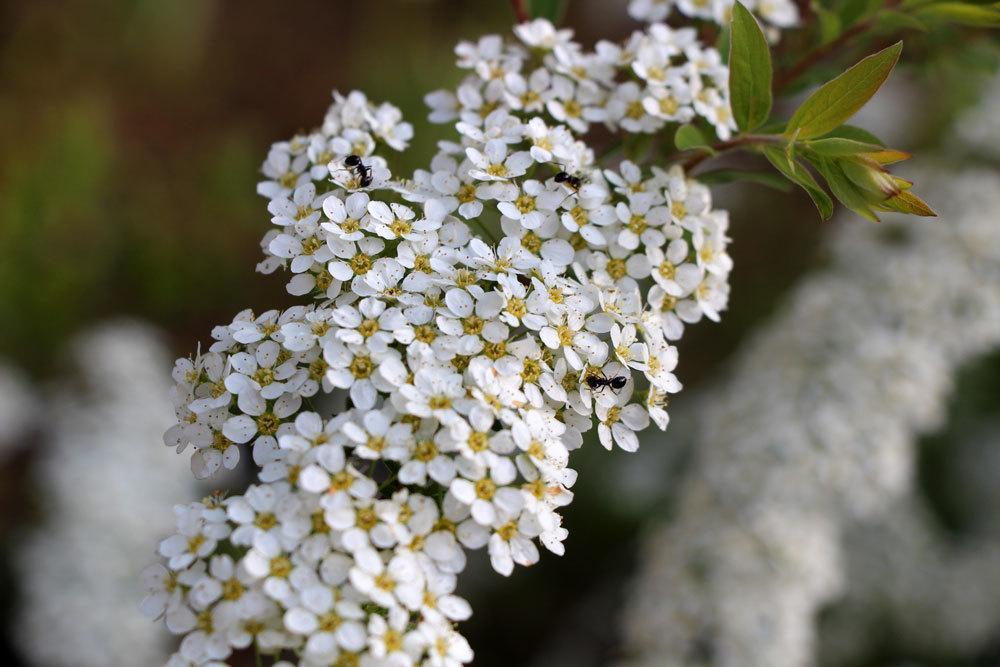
815 141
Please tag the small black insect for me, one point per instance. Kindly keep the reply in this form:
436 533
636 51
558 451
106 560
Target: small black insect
574 182
363 171
599 381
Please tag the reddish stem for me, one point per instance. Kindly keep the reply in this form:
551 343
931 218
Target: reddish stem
784 79
520 11
722 146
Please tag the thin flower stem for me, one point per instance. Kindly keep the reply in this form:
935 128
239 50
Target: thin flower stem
723 146
387 483
258 660
483 228
520 11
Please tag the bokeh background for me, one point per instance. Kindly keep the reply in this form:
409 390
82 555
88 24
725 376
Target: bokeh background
131 134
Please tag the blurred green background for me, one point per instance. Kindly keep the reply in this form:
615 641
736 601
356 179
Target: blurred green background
131 133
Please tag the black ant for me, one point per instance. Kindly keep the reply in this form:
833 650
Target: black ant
363 171
575 182
596 382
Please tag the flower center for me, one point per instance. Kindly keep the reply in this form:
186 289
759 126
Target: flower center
473 325
425 451
467 193
232 589
439 402
361 264
362 367
281 566
616 268
497 170
267 423
485 488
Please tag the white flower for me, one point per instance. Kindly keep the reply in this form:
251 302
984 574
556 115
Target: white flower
493 163
198 532
619 424
434 393
396 584
483 488
511 541
375 435
347 218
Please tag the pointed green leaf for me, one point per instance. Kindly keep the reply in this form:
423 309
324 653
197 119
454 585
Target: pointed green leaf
798 174
837 100
829 25
844 190
689 137
907 202
749 71
982 16
855 133
837 147
890 20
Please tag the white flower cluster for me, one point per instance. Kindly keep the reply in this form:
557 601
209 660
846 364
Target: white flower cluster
472 365
19 408
104 494
658 76
777 14
817 428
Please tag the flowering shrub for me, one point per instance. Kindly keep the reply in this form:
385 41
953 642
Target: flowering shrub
464 327
480 316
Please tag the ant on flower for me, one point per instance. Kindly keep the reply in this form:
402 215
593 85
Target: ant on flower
363 171
573 182
597 380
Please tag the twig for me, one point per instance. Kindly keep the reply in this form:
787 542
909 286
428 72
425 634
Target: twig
520 11
787 77
722 146
783 79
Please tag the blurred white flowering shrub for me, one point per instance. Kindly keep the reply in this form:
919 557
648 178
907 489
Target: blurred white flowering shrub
776 13
102 490
817 427
19 408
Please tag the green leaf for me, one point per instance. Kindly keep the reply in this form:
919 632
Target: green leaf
907 202
891 20
722 44
749 71
854 10
798 174
547 9
982 16
766 178
837 100
829 25
838 147
689 137
844 190
855 133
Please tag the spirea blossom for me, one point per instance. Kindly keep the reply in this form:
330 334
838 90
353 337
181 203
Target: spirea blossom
777 14
477 318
